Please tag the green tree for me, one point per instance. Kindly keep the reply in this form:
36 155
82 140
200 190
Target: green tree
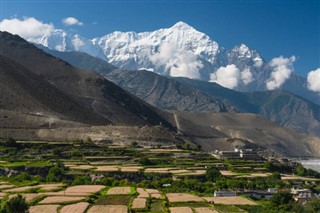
10 142
276 175
301 171
212 174
56 173
82 180
56 152
198 147
17 204
282 200
187 146
134 144
145 161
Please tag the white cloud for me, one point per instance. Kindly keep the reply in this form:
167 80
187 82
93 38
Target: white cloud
246 76
228 76
231 76
71 21
28 28
177 61
281 71
77 42
314 80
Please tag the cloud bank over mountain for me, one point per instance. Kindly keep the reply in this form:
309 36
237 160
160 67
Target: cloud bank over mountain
28 27
314 80
281 70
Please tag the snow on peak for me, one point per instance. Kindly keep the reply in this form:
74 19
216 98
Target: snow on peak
132 50
242 51
182 26
179 50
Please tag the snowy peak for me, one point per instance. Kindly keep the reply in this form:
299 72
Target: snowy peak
182 26
242 51
179 50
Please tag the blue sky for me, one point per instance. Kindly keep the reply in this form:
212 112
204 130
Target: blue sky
274 28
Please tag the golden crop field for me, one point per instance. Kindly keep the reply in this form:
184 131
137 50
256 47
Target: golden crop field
182 197
75 208
139 203
119 191
234 200
44 209
60 199
108 209
180 210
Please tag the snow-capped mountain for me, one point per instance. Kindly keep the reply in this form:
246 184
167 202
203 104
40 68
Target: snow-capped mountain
62 41
179 50
182 51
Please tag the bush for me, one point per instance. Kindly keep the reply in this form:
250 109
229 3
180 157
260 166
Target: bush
82 180
282 200
56 173
9 141
145 161
212 174
17 204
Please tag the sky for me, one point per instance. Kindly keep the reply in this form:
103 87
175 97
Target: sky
274 28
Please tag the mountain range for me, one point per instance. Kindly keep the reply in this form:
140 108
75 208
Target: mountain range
46 98
184 94
182 51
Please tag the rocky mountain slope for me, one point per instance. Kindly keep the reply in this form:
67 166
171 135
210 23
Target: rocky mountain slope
87 89
185 94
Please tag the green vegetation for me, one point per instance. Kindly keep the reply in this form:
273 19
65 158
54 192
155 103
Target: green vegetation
56 173
33 163
17 204
227 209
212 174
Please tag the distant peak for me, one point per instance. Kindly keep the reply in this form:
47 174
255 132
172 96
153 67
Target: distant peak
182 25
242 47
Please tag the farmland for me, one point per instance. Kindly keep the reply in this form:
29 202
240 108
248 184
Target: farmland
81 176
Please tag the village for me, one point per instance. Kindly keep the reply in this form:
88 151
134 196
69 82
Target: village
81 176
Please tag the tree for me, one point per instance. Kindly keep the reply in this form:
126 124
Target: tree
145 161
198 147
301 171
17 204
82 180
56 173
282 200
134 144
11 142
212 174
56 152
186 146
276 175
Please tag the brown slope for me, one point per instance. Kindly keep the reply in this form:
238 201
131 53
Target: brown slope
25 92
86 88
256 129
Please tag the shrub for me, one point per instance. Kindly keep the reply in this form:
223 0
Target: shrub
17 204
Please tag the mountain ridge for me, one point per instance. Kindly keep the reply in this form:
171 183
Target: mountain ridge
185 94
178 51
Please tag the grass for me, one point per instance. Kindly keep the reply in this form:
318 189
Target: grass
228 209
260 209
191 204
115 200
157 207
133 191
29 164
